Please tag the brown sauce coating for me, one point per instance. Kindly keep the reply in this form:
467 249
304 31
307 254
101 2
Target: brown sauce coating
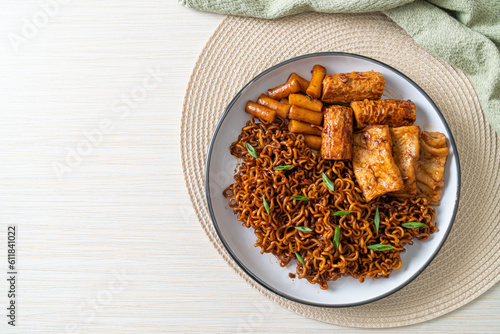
276 233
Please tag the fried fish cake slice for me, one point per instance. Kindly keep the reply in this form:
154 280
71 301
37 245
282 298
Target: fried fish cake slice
430 172
337 133
385 112
406 151
354 86
374 166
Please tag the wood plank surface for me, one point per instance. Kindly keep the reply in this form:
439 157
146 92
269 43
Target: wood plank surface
90 101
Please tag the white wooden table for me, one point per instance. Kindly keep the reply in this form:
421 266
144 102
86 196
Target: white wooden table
90 100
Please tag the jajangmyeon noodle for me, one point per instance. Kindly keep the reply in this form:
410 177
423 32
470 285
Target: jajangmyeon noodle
256 179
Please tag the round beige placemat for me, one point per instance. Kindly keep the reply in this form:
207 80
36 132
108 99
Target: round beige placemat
241 48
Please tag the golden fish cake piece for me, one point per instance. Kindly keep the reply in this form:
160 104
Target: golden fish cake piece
384 112
430 172
373 164
337 133
354 86
405 150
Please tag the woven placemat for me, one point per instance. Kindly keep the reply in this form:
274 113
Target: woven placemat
468 263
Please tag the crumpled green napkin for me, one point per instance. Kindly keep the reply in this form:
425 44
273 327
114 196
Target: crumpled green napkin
465 33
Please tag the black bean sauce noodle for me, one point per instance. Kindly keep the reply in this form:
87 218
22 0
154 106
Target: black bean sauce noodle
276 233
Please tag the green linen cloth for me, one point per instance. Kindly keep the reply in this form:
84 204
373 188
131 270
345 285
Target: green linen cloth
465 33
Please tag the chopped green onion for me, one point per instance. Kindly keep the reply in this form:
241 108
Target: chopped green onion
301 260
413 225
341 213
283 167
327 182
266 206
377 221
380 248
300 198
251 150
303 228
336 237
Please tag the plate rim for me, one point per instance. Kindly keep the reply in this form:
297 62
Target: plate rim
209 201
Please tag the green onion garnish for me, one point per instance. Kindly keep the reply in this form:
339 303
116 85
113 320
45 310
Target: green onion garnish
301 260
336 237
251 150
300 198
413 225
303 228
327 182
283 167
380 248
266 206
341 213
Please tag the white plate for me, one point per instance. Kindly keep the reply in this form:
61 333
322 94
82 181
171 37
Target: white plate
239 241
